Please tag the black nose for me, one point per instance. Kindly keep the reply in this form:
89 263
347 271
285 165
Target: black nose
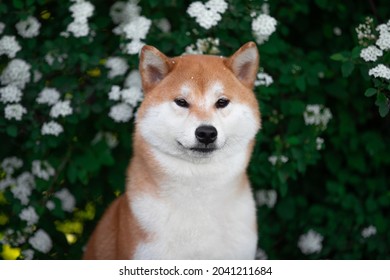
206 134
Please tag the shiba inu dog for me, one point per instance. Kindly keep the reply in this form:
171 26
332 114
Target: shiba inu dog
187 193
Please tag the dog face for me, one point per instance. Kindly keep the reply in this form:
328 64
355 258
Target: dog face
197 107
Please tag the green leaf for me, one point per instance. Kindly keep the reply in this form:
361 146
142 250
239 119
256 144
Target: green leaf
383 103
347 68
12 130
338 57
370 92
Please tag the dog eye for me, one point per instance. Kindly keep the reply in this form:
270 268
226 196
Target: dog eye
222 103
182 102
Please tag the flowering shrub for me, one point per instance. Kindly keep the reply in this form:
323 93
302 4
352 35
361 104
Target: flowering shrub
372 51
69 90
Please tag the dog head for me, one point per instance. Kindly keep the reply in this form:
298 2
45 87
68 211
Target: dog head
199 106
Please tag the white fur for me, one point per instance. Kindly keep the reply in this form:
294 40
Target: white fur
202 211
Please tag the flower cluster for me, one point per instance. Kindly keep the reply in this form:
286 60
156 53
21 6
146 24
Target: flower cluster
68 201
9 46
128 98
51 97
117 65
209 14
262 27
41 241
263 79
319 143
268 198
274 159
81 10
310 242
368 231
28 28
380 71
373 52
131 25
204 46
364 31
110 138
318 115
42 169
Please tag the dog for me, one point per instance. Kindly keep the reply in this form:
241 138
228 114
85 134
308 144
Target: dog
187 193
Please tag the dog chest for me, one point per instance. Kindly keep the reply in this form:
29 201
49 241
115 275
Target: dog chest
202 226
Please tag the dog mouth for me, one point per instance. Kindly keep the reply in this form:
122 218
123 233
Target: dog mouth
201 149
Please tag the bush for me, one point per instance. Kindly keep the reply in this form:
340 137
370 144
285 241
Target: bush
69 90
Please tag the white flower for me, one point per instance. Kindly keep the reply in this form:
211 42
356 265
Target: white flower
9 46
110 138
268 198
52 128
209 14
384 41
48 96
262 27
16 73
2 26
204 46
133 47
28 28
50 205
6 182
368 231
81 10
132 96
14 111
371 53
319 143
164 25
25 183
79 29
41 241
380 71
61 108
317 115
337 31
310 243
10 164
133 79
218 6
117 65
50 58
121 112
115 93
137 29
10 94
261 254
29 215
275 159
124 12
28 254
68 201
37 76
263 79
42 169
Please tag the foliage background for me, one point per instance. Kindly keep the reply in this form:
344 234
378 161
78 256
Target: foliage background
337 191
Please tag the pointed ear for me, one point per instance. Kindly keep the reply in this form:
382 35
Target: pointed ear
244 64
153 66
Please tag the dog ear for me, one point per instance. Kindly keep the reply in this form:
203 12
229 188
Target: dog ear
244 64
153 66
